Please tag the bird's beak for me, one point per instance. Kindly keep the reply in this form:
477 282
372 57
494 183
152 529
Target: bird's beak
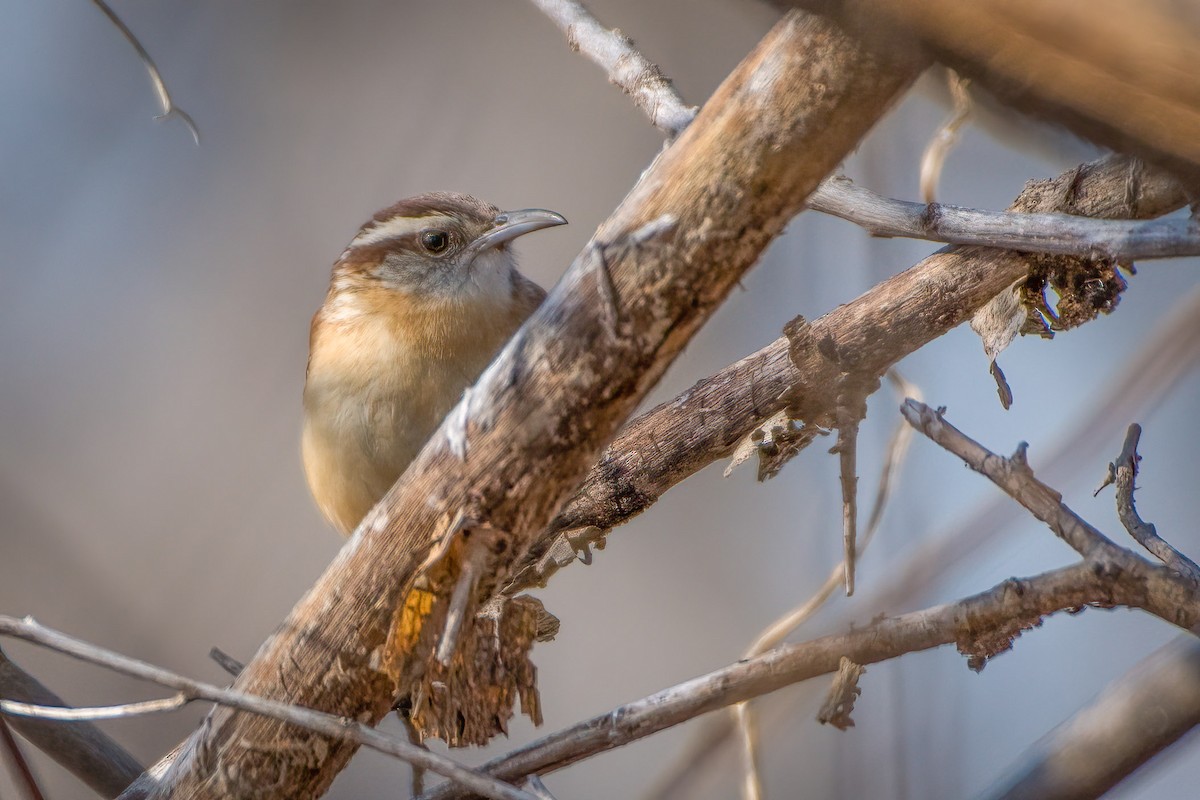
508 225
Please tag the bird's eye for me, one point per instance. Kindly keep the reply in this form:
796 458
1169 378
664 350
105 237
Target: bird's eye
434 241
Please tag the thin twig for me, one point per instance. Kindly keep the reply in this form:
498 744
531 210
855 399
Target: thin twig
934 157
1013 475
325 724
92 713
613 52
1061 234
169 109
24 778
1126 470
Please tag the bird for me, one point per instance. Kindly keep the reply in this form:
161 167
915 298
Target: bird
419 302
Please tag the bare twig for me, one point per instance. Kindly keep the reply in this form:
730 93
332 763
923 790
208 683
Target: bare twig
81 748
934 157
1135 718
1170 591
169 109
10 751
981 624
92 713
1126 470
1060 234
327 724
613 52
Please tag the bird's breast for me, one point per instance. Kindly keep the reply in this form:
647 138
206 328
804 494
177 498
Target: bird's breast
379 383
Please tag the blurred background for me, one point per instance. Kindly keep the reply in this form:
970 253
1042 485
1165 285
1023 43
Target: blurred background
155 299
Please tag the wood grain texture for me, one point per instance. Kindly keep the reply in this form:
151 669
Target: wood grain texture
521 440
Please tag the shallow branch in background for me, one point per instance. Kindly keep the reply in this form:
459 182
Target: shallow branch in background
1059 234
81 748
1134 718
169 109
327 724
982 626
22 774
627 68
1124 73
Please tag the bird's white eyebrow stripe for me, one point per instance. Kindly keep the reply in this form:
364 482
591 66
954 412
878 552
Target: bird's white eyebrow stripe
395 228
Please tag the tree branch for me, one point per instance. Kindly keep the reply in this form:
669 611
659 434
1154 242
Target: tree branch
327 724
1166 594
1124 472
1124 73
981 625
1061 234
82 749
893 319
526 433
1169 352
627 68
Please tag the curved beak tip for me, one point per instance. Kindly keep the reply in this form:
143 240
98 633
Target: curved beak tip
508 225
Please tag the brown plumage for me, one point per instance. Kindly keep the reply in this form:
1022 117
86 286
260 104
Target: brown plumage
419 303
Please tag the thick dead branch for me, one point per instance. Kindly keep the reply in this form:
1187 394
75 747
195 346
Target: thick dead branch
981 625
540 414
1134 719
1061 234
1124 73
81 748
897 317
642 80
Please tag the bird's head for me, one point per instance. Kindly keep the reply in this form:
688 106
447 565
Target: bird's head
440 246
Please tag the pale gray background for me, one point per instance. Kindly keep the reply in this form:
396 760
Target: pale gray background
154 309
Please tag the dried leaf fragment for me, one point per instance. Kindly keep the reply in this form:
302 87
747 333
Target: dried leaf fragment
843 692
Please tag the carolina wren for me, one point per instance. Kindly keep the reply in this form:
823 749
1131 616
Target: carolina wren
420 302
